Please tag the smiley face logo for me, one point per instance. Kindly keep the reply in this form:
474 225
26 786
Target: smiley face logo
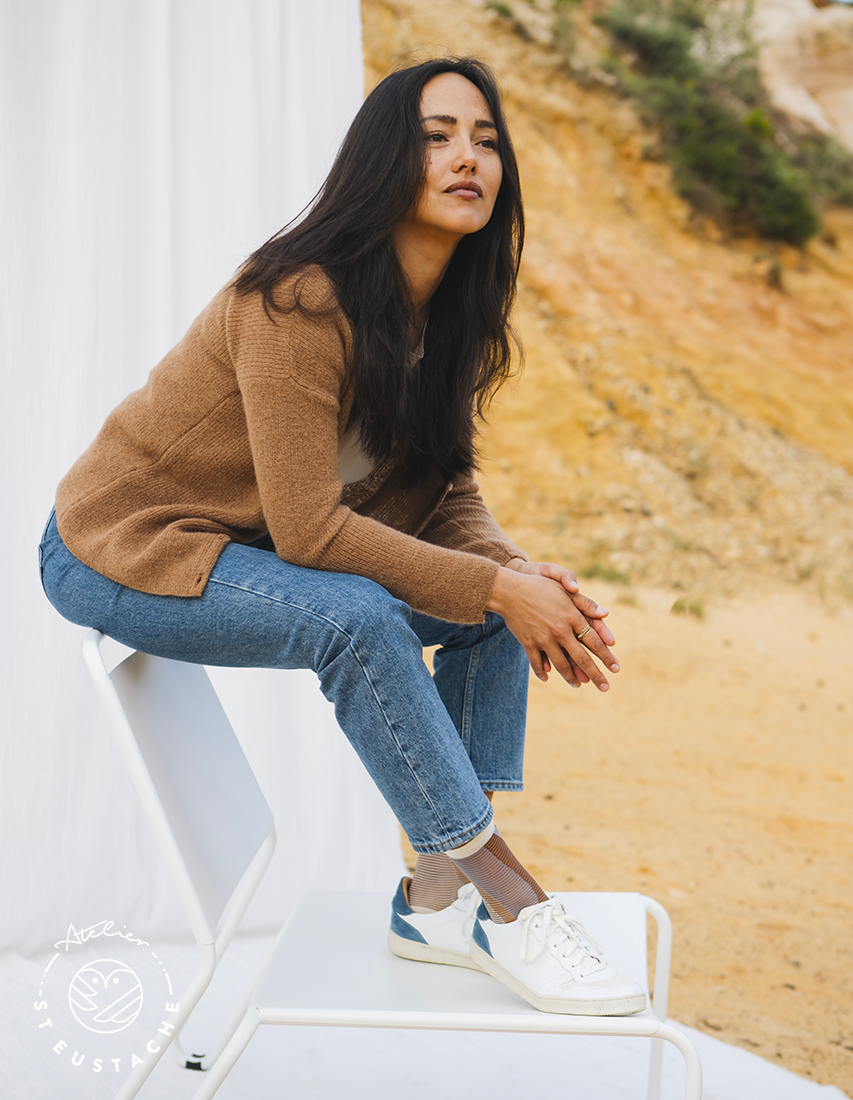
105 996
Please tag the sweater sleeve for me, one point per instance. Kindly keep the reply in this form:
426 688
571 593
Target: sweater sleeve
291 372
463 522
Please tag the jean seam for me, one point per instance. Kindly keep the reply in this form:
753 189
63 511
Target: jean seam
361 665
42 542
468 693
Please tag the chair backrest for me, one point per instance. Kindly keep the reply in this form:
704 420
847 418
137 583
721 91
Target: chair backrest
195 783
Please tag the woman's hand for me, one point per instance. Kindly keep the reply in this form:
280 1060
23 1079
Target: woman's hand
569 581
546 612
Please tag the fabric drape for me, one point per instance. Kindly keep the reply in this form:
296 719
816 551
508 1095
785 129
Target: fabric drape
147 149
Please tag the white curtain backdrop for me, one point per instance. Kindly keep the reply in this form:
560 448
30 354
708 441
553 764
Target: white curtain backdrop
147 148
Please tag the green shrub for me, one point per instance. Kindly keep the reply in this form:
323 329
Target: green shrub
757 121
742 80
604 573
778 199
725 165
694 71
829 167
683 606
660 44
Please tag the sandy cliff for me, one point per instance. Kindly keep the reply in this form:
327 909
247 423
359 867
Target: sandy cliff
687 402
684 427
807 62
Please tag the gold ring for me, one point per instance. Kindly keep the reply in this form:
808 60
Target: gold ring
580 637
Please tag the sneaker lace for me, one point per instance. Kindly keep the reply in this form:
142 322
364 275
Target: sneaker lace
568 938
471 902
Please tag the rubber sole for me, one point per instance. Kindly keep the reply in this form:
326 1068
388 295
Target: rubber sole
618 1006
426 952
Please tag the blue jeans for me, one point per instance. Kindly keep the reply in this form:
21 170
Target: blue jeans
432 744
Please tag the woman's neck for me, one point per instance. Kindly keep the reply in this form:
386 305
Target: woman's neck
424 260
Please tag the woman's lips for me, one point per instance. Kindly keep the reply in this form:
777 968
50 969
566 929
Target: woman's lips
469 189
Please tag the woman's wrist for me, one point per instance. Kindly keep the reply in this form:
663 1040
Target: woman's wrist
501 588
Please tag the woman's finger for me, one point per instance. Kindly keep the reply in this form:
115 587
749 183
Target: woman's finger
588 606
538 660
559 573
566 667
579 672
553 572
584 662
586 634
580 649
603 630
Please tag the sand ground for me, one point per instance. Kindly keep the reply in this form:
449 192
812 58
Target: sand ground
714 776
685 423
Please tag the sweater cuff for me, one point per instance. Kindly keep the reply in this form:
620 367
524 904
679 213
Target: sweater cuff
476 581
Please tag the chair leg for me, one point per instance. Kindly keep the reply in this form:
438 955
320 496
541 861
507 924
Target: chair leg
223 1065
663 958
693 1066
207 1060
176 1020
655 1069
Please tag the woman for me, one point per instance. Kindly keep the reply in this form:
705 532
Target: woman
292 489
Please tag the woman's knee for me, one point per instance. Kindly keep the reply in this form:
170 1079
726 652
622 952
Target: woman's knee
364 619
73 589
367 609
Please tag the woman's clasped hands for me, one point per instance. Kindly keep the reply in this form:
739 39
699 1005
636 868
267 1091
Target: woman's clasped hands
557 625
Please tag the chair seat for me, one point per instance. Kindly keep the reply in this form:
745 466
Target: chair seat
332 967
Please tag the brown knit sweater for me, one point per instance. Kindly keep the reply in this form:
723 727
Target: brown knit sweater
234 436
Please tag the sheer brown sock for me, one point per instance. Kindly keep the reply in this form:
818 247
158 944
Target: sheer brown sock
436 880
435 883
505 886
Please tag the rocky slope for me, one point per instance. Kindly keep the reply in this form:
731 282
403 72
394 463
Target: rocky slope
807 62
685 417
684 423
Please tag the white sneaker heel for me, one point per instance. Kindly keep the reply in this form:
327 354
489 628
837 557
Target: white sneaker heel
440 937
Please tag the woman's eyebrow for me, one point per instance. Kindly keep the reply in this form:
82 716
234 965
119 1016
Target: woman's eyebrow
451 120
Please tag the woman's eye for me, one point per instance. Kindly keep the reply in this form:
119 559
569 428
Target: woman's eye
436 137
489 143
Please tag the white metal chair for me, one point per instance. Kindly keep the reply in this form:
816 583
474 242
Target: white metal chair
207 811
217 833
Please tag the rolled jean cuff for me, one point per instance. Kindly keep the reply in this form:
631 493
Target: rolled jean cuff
455 841
474 846
501 784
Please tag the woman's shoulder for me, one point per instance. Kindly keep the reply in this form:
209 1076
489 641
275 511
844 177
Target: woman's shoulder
310 288
306 293
303 325
307 286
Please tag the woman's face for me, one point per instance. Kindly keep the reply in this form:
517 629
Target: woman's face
464 170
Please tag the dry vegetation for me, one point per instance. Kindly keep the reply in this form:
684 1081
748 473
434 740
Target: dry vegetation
683 432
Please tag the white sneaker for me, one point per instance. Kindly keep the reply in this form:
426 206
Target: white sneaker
550 960
440 937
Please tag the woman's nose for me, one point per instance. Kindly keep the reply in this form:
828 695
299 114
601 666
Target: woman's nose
465 156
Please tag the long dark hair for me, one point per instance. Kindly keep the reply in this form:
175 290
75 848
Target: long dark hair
424 418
